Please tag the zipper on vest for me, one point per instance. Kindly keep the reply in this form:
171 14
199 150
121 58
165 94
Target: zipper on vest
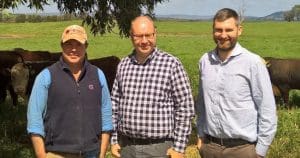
81 141
78 89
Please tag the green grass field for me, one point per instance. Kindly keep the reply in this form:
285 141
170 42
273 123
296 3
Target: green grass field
186 40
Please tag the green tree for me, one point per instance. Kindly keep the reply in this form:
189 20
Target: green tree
288 16
101 15
296 12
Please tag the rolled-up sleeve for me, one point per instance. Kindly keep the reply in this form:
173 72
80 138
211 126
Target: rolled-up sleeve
37 103
106 110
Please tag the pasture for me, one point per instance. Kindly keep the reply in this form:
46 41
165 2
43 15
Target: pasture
187 40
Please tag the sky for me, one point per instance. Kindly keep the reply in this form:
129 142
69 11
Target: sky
257 8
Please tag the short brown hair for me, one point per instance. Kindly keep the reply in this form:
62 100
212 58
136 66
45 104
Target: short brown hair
225 14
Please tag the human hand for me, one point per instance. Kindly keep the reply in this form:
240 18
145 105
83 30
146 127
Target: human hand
258 156
115 150
102 155
174 154
199 143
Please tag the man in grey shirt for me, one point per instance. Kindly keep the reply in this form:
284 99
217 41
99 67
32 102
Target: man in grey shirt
236 110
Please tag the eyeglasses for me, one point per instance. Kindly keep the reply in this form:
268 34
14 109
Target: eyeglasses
141 36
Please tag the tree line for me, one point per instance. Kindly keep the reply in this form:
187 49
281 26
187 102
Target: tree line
34 18
293 14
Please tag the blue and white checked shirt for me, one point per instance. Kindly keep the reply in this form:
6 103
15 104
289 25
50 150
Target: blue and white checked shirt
236 98
152 100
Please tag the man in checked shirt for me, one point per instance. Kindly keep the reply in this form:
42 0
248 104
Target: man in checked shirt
152 102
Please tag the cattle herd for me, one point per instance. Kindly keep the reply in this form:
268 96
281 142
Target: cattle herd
18 69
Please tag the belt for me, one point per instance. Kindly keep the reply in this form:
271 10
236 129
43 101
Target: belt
140 141
63 154
227 141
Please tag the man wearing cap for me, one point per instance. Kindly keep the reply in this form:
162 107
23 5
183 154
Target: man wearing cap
69 110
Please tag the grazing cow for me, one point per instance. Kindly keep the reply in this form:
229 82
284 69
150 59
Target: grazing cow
109 67
284 74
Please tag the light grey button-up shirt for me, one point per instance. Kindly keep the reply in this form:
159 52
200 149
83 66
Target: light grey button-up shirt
236 98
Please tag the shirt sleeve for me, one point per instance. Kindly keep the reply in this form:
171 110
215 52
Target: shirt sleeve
106 110
200 109
115 97
265 102
184 107
37 103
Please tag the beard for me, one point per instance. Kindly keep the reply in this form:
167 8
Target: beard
226 45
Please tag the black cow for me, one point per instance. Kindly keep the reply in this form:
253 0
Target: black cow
35 55
55 56
28 55
107 64
4 81
9 58
284 74
109 67
34 69
14 70
7 61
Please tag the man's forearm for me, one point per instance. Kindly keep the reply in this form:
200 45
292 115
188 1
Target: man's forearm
39 146
104 144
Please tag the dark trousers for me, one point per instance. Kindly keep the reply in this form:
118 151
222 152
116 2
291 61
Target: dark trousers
135 148
213 149
89 154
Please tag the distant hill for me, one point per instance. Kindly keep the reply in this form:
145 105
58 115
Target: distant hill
184 17
278 16
274 16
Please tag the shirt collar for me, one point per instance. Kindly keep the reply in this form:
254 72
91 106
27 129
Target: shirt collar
147 61
65 66
237 50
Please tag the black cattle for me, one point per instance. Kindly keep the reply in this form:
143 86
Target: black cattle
14 70
7 61
55 56
4 81
284 74
109 67
35 55
107 64
9 58
29 55
34 69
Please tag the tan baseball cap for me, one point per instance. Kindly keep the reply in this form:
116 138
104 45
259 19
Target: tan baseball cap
75 32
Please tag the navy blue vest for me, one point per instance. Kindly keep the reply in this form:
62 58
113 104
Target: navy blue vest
73 117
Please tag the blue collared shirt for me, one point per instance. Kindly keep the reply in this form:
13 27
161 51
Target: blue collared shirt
236 98
38 102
